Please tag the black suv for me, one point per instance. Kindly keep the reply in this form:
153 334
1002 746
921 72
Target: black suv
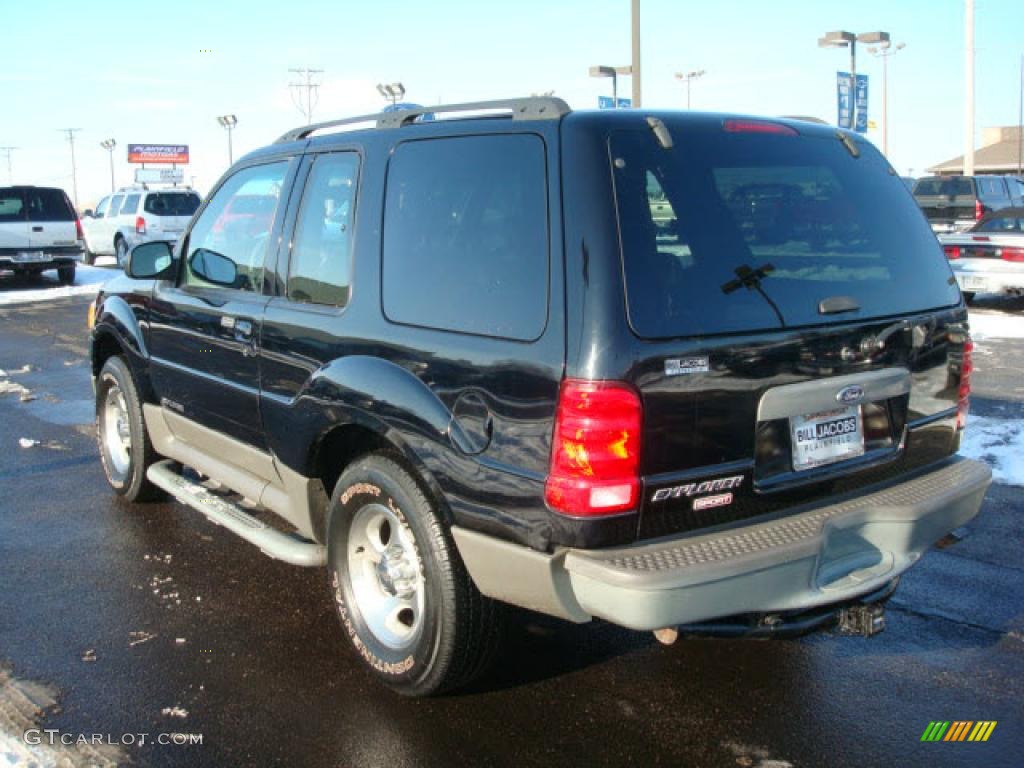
665 369
957 203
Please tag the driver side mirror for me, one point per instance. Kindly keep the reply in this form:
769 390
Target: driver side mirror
153 260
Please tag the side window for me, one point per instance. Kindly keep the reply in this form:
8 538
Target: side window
12 206
115 205
319 272
101 208
236 226
130 204
465 244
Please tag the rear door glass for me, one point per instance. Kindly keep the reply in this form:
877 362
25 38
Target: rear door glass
130 204
12 206
992 189
735 232
48 205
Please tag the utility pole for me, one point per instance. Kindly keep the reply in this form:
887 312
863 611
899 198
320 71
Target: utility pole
969 88
310 88
10 171
635 68
74 169
883 52
1020 121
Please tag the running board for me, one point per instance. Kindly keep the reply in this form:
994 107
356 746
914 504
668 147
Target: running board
281 546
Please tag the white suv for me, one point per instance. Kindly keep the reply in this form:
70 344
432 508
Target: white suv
136 215
39 230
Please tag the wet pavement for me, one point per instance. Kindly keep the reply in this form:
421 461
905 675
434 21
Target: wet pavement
148 619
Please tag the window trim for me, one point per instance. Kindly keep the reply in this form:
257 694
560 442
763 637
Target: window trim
548 250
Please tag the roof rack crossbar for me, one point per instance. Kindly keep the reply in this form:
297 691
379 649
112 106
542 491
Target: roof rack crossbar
531 108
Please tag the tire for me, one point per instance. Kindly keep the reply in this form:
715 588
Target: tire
968 296
89 258
121 252
66 275
403 596
119 416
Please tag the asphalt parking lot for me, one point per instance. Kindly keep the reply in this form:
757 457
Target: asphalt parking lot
119 620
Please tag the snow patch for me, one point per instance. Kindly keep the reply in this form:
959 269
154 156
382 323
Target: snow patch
87 282
999 443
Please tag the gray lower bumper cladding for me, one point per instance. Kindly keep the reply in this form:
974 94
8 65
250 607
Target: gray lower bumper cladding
814 556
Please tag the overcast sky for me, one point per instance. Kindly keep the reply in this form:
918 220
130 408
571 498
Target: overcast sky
143 72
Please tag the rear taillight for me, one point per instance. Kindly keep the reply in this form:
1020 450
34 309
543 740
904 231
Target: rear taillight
140 225
952 251
1013 254
595 456
979 210
79 234
963 395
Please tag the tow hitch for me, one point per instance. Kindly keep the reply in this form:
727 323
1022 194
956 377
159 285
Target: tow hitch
863 620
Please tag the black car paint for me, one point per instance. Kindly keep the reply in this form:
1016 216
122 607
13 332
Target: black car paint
474 415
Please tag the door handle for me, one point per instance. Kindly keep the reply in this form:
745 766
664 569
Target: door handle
37 229
243 329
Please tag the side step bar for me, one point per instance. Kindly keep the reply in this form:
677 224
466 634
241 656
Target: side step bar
281 546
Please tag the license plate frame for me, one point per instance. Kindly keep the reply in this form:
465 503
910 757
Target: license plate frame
31 257
973 282
827 437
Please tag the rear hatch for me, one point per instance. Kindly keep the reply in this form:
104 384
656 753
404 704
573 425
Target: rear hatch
168 213
948 202
51 218
799 330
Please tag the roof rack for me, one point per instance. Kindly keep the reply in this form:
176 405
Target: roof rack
531 108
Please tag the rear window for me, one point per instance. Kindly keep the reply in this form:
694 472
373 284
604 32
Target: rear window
465 244
171 203
733 232
1008 222
45 204
12 207
952 186
992 189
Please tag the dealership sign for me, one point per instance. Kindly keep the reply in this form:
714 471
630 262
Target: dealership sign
159 175
158 153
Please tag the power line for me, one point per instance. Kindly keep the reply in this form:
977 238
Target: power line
311 91
10 172
74 170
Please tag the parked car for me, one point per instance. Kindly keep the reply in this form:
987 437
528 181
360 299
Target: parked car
538 357
957 203
989 258
136 215
39 230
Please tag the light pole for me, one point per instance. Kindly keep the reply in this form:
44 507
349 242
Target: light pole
883 52
613 73
688 78
109 144
391 91
844 39
229 122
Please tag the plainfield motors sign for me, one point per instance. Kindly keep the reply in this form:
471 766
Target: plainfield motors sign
158 153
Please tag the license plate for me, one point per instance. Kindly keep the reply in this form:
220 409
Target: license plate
825 438
30 256
973 283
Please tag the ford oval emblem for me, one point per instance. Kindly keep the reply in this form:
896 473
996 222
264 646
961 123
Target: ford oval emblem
850 395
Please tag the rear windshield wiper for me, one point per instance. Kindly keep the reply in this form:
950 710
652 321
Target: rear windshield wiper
750 278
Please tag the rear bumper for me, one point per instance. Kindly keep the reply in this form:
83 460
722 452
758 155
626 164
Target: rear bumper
814 556
977 279
39 258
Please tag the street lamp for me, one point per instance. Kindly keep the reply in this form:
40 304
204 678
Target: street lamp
613 73
109 144
688 78
883 52
392 92
229 122
843 39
